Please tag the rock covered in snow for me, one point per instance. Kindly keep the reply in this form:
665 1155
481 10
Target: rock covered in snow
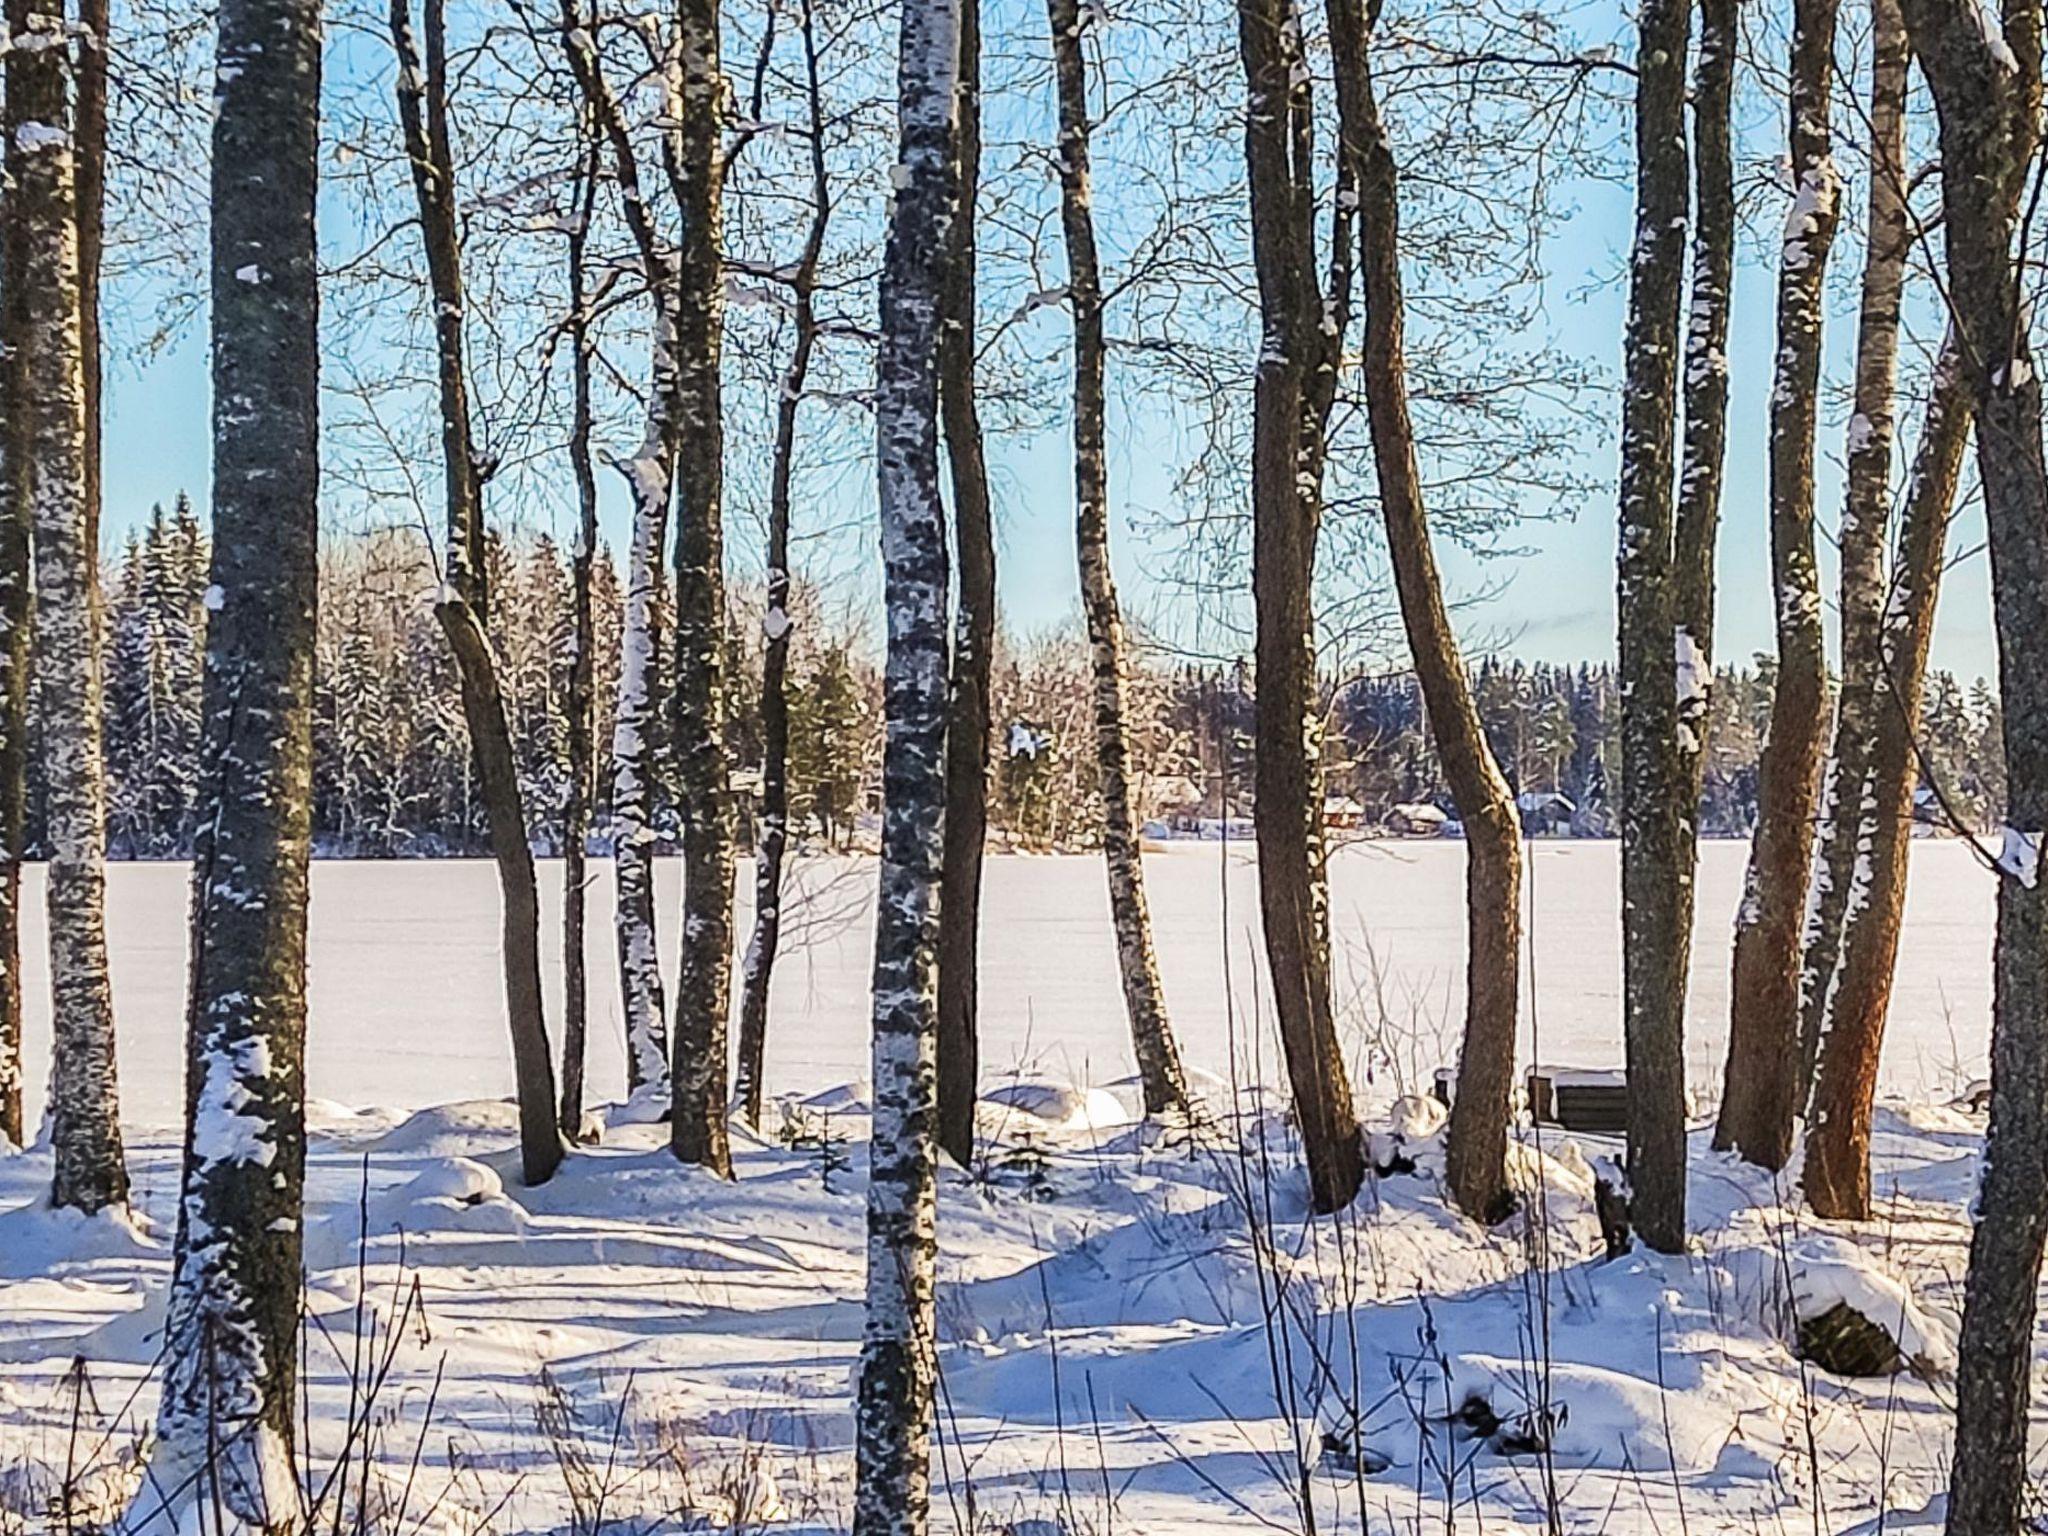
1857 1317
1055 1106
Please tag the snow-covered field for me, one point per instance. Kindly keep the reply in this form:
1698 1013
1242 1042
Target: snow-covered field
1142 1330
407 1010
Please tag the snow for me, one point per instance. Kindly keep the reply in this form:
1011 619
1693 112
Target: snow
30 137
2019 855
406 995
1108 1286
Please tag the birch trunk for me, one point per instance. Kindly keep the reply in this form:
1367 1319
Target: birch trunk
581 703
1762 1088
649 476
1985 74
1655 771
1866 517
464 603
50 436
17 598
974 631
1294 378
225 1424
771 846
1477 1143
1836 1172
893 1409
1159 1066
697 1124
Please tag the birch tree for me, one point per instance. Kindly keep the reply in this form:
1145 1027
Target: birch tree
1762 1088
772 841
225 1422
17 596
50 438
1984 69
1477 1142
974 629
463 605
1293 388
1655 771
697 1128
893 1409
1163 1081
581 701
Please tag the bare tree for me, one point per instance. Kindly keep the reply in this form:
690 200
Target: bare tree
1477 1148
1656 853
49 411
772 842
225 1423
1985 73
1701 471
1836 1170
581 701
1866 519
1762 1088
1159 1066
1294 385
893 1408
974 629
697 1128
17 598
463 605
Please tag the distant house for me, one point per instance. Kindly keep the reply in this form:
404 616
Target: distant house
1174 801
1545 813
1341 813
1417 820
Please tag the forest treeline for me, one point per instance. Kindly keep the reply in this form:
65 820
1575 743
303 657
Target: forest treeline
392 773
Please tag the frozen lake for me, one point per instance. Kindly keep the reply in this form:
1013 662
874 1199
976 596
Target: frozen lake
406 1002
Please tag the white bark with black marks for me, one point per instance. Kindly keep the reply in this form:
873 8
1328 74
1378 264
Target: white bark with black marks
893 1409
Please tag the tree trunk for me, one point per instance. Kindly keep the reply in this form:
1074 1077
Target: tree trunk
1986 81
1477 1147
649 476
1295 374
1762 1089
1159 1066
1702 464
50 437
697 1125
94 22
464 604
974 631
17 598
1656 858
771 845
225 1424
1866 516
581 703
893 1409
1837 1166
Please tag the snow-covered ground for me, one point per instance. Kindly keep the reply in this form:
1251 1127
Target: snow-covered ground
407 1011
1143 1332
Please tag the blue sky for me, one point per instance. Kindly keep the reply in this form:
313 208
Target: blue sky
1554 602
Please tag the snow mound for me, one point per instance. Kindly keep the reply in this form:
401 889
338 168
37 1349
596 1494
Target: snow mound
36 1239
450 1196
854 1098
453 1130
1590 1415
1411 1137
455 1178
1056 1106
649 1106
1831 1272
